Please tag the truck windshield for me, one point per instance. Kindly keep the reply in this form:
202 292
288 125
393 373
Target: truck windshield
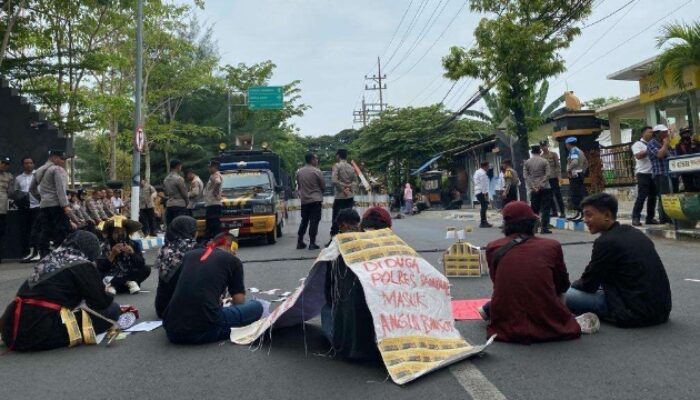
246 180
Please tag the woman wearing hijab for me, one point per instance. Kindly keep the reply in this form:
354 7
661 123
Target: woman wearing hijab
179 239
408 199
41 318
122 260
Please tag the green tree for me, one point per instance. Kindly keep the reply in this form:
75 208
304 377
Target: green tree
515 48
681 44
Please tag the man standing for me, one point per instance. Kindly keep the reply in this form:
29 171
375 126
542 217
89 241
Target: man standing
345 181
659 150
510 182
481 188
576 166
536 173
5 188
147 214
29 213
212 200
646 189
311 184
554 176
176 192
49 185
194 195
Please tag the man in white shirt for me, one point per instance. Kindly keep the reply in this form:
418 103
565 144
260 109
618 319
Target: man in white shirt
29 216
481 189
646 189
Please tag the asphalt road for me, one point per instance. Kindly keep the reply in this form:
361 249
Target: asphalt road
651 363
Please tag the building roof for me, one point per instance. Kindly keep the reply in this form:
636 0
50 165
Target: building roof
635 72
627 109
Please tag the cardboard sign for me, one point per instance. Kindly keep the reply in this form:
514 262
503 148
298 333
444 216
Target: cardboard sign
408 298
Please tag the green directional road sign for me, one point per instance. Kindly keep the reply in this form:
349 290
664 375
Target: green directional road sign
265 98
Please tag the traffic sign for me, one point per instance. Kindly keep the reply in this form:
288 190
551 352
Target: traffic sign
139 139
265 98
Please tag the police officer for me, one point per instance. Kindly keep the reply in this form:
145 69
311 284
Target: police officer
212 200
6 186
28 212
176 191
576 167
49 185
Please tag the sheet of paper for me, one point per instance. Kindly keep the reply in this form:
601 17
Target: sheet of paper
122 335
254 290
145 326
99 338
467 309
270 292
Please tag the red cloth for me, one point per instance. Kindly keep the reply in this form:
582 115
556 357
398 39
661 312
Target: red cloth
525 306
467 309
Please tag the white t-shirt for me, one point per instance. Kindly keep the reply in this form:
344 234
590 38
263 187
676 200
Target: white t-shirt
642 166
481 182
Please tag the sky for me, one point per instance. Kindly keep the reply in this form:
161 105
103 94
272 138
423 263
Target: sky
331 45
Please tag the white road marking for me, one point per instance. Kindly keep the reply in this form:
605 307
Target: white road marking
693 280
475 383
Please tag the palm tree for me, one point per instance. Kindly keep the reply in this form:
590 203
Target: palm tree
683 51
537 110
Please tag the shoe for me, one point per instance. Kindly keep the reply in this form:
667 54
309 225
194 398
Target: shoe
313 246
485 225
36 257
133 287
546 232
575 217
589 323
635 222
482 312
111 290
651 222
301 245
32 253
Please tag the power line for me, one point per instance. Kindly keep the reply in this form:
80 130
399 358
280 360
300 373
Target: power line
609 15
424 89
393 36
448 92
419 11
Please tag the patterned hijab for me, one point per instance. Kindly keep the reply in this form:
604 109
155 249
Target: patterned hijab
179 239
79 246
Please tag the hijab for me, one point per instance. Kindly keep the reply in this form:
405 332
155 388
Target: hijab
179 239
79 246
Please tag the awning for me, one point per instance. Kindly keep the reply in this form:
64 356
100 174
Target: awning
427 164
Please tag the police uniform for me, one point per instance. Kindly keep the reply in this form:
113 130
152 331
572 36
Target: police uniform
6 184
212 201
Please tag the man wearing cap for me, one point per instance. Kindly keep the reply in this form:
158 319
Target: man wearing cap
659 150
529 279
554 176
49 185
576 166
6 186
345 181
29 213
536 173
196 189
176 191
212 200
646 189
311 183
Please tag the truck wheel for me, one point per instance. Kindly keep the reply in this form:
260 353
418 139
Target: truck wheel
279 228
272 236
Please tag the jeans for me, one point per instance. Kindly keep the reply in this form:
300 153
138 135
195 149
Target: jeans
230 317
213 221
481 197
541 203
310 217
340 204
557 201
646 190
580 302
663 186
55 226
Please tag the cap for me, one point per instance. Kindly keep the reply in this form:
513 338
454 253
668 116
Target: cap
535 149
60 153
379 214
5 160
685 130
517 211
571 140
660 128
544 143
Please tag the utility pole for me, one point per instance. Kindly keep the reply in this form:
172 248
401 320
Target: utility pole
361 115
229 112
136 159
378 84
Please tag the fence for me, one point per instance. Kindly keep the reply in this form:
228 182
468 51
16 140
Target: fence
618 165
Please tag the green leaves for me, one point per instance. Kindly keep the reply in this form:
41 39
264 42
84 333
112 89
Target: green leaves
682 42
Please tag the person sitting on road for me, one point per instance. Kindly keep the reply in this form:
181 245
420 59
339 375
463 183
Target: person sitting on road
41 318
625 282
195 314
345 318
529 278
375 218
122 260
180 238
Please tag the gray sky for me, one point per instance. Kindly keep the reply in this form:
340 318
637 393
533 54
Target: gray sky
331 45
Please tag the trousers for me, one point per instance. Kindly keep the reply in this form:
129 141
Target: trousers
230 317
213 221
55 226
484 202
173 212
558 206
541 203
310 217
646 190
578 192
148 221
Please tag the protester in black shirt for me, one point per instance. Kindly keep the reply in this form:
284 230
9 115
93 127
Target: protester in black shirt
195 313
62 280
179 239
625 282
122 259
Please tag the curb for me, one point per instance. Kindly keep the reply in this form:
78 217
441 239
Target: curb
151 242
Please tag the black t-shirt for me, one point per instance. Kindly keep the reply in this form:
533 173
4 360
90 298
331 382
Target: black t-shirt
196 304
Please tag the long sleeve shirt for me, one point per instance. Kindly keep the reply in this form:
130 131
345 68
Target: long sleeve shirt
23 182
146 196
343 177
577 163
481 182
51 181
175 190
6 186
536 173
311 184
510 179
94 210
212 191
554 165
194 195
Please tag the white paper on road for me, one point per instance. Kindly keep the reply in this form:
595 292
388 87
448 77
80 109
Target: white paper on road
99 338
408 298
145 326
